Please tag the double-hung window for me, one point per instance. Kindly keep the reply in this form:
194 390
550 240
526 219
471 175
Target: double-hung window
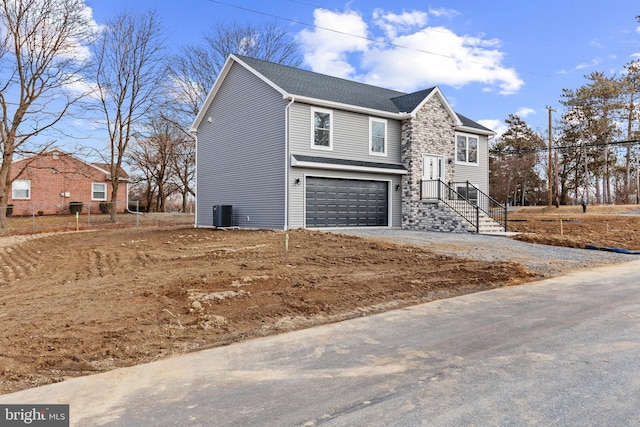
322 134
98 191
467 149
377 137
21 189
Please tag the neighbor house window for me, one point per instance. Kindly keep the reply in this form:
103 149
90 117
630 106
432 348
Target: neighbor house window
21 189
98 191
322 129
467 149
377 137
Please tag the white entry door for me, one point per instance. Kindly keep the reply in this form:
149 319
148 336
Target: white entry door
432 171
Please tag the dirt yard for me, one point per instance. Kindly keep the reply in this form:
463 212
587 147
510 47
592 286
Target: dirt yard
603 226
78 303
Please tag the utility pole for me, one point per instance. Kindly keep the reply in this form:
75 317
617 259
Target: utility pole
550 165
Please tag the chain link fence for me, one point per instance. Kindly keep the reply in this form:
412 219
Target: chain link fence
38 218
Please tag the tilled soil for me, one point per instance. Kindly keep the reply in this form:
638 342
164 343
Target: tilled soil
577 230
78 303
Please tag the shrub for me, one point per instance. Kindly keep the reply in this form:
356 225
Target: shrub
40 213
105 207
75 207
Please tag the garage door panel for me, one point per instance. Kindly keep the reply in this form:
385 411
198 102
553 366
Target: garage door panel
332 202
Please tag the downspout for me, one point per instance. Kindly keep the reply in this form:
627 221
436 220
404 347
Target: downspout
195 202
286 163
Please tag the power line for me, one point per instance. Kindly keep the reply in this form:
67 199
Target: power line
306 24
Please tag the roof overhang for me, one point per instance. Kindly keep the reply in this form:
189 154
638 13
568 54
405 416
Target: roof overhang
474 130
347 107
436 93
326 163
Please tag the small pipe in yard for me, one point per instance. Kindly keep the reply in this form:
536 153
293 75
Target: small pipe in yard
561 230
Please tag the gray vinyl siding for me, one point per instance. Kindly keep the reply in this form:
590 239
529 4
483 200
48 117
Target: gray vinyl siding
350 136
241 159
297 192
350 141
477 175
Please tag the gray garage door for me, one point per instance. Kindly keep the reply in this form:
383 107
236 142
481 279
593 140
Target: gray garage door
335 202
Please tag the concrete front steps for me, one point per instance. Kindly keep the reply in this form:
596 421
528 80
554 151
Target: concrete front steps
487 224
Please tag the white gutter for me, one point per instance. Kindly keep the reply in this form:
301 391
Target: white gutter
286 163
348 107
474 130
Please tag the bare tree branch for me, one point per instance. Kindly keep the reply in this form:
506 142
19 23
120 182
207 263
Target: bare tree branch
41 56
129 71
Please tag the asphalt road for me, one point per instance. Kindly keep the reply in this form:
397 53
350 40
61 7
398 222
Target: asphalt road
560 352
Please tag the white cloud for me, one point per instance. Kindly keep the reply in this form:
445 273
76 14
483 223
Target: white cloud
392 23
495 125
523 112
335 35
408 56
594 62
448 13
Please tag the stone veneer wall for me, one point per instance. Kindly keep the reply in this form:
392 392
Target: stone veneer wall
430 132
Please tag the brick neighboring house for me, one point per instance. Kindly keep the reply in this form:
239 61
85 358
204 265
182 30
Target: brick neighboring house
49 181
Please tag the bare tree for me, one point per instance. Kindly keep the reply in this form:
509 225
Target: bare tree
184 167
40 59
129 71
195 70
155 157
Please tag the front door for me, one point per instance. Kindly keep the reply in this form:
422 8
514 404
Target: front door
432 173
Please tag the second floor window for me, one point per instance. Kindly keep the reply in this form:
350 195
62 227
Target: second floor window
377 137
98 191
467 149
322 129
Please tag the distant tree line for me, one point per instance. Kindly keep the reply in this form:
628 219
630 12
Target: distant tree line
595 149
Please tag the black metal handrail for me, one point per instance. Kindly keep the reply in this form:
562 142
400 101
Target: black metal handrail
486 203
475 201
438 190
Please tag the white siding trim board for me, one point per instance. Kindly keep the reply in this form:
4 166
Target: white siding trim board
348 168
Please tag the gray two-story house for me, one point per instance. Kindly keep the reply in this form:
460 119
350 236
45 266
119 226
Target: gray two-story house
287 148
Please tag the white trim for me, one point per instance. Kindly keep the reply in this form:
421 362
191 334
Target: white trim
330 166
13 195
105 191
385 148
467 162
441 158
443 100
287 169
476 131
315 110
349 107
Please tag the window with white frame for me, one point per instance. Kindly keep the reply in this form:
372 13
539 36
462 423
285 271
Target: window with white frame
467 149
21 189
377 137
322 135
98 191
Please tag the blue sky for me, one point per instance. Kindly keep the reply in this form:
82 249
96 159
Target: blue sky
489 58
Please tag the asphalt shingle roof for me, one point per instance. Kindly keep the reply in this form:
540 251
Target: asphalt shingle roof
296 81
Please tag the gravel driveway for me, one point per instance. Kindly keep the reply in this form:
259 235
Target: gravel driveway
545 260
